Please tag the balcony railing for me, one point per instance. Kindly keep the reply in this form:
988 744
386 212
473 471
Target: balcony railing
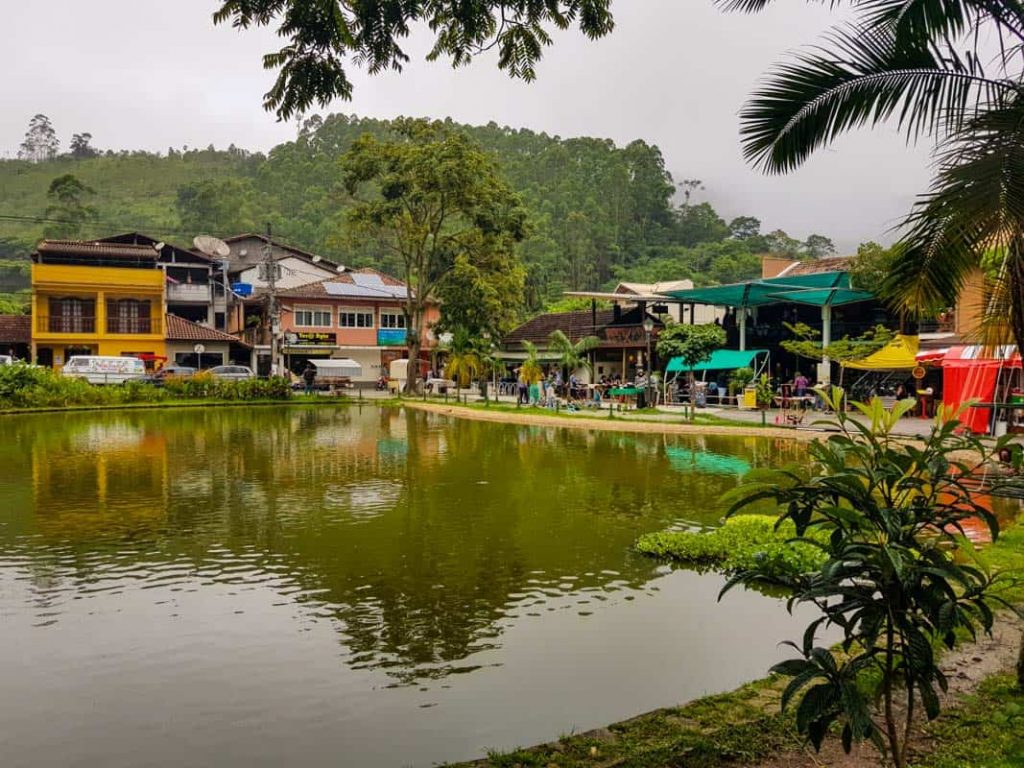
188 292
65 324
134 325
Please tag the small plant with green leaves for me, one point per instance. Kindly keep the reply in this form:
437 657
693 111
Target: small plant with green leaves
899 575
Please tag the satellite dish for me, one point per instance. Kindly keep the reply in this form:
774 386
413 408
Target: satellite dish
316 259
341 267
211 246
158 246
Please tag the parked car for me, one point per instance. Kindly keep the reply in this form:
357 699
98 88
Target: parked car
6 360
100 369
172 371
232 372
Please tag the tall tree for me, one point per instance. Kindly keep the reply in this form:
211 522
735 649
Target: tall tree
430 197
41 142
482 295
219 207
324 37
818 247
744 227
68 209
81 147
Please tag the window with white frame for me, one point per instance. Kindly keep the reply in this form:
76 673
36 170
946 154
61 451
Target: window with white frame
355 318
313 317
391 319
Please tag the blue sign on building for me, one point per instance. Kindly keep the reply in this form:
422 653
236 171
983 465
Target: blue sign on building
391 337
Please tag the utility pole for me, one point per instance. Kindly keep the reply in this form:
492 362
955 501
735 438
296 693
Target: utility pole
273 309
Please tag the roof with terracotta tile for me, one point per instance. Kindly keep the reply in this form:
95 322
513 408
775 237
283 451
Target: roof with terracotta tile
94 250
15 329
576 325
180 329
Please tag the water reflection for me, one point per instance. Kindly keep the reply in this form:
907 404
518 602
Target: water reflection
414 533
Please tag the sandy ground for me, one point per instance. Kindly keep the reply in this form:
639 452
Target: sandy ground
606 424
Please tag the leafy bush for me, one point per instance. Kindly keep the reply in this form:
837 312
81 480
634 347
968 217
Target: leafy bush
27 386
744 542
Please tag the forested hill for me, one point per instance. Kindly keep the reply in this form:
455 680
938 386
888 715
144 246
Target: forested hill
601 213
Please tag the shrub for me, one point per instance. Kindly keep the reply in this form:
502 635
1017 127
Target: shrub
744 542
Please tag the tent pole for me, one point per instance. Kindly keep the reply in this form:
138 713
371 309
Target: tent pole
826 339
742 317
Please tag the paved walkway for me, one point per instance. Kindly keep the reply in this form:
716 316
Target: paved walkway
910 426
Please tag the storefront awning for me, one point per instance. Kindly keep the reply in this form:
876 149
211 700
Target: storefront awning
720 360
898 355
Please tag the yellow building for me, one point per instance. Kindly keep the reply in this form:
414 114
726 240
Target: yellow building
94 298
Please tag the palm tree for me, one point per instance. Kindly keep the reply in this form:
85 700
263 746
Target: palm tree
917 63
531 370
464 364
572 356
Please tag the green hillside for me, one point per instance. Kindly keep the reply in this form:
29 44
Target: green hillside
600 212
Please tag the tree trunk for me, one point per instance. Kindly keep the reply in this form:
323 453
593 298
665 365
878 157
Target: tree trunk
693 395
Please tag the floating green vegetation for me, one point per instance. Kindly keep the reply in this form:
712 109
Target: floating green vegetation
743 542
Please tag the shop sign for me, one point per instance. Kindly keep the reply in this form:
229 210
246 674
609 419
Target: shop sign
391 337
633 334
312 338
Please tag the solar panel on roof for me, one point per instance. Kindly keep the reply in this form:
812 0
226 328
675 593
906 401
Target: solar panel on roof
367 280
365 291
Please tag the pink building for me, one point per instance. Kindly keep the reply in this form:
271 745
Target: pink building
356 314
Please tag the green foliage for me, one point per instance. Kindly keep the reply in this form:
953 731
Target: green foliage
739 378
482 295
572 356
742 543
67 195
434 199
28 386
323 42
805 343
693 343
764 391
871 266
531 371
463 363
899 574
597 213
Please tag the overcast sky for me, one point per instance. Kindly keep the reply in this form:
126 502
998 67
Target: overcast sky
149 74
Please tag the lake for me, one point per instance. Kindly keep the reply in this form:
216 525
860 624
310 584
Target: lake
352 586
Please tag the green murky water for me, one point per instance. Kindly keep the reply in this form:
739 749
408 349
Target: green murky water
356 587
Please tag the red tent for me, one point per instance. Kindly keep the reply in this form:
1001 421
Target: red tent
967 375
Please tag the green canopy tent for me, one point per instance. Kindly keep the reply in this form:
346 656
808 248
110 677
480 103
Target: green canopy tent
819 289
720 360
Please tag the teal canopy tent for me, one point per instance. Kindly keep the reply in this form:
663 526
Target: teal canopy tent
720 360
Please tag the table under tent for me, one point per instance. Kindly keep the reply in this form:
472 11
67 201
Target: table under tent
721 360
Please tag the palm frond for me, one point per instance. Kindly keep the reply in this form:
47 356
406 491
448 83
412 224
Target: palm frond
976 204
866 79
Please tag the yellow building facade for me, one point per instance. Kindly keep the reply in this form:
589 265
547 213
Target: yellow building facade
89 299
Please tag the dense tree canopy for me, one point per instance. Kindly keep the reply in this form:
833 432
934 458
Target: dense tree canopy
598 213
326 37
436 203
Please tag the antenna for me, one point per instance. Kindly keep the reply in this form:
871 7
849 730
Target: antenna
211 246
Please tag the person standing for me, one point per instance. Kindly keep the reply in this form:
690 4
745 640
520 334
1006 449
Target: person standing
800 384
309 377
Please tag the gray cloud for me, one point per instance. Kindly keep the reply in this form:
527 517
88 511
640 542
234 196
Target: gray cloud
148 75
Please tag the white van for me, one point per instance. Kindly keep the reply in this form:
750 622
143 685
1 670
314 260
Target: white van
97 369
6 360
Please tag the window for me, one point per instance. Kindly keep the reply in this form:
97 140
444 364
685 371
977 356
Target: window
129 316
392 319
355 318
71 315
310 317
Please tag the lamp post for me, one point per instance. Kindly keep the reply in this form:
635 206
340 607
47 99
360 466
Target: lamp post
648 330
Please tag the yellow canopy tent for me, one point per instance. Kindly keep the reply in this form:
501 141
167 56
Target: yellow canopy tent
898 354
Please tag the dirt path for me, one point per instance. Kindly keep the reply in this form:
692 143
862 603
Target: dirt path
608 425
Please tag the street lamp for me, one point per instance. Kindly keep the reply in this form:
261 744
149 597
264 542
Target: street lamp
648 330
